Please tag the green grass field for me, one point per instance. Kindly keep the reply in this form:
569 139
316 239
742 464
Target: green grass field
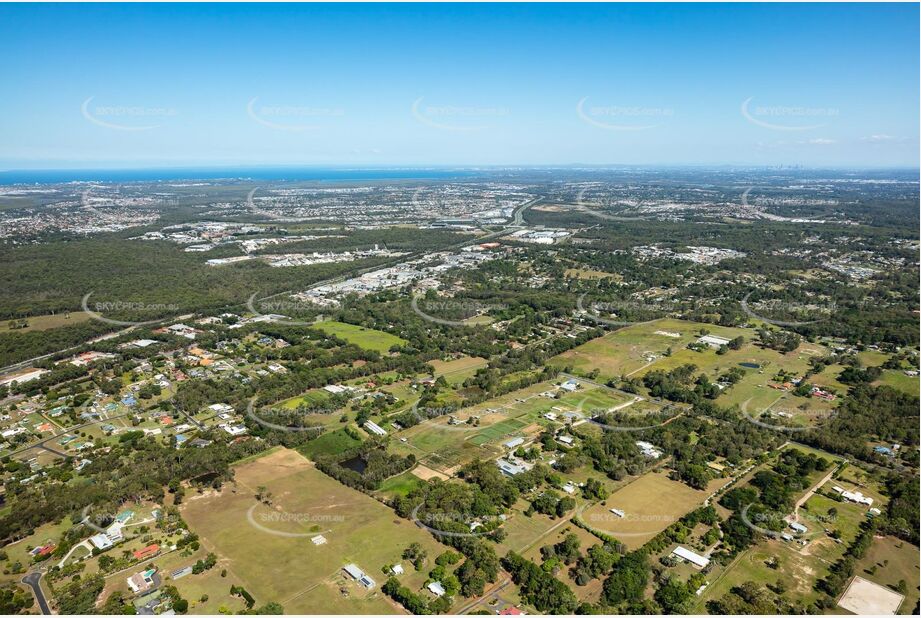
269 548
45 322
898 380
399 485
636 350
313 396
366 338
458 370
329 443
628 350
797 572
520 413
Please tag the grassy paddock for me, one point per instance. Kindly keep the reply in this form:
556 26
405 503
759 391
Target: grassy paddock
303 577
651 503
45 322
366 338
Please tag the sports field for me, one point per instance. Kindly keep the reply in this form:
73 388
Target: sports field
269 548
366 338
650 504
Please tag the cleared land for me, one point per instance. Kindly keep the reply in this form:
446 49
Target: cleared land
890 560
650 504
44 322
444 447
458 370
269 547
329 443
366 338
636 350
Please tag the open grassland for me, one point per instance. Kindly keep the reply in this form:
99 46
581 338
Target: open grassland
366 338
329 443
797 571
650 504
399 485
641 346
269 547
524 532
754 390
899 381
458 370
638 349
313 396
44 322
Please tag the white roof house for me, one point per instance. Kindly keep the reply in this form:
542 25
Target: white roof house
436 588
858 497
569 385
648 449
101 541
375 428
510 469
713 341
353 571
693 558
234 430
515 442
114 532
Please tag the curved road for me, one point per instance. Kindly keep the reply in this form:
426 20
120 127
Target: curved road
32 581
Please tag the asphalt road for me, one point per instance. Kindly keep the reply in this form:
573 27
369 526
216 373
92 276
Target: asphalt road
32 581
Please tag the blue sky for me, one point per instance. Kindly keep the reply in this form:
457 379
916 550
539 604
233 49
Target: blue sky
418 84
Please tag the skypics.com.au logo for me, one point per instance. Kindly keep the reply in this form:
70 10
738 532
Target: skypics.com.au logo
125 117
456 117
787 117
622 117
96 310
424 308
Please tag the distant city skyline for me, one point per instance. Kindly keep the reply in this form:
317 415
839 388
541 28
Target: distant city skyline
119 86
